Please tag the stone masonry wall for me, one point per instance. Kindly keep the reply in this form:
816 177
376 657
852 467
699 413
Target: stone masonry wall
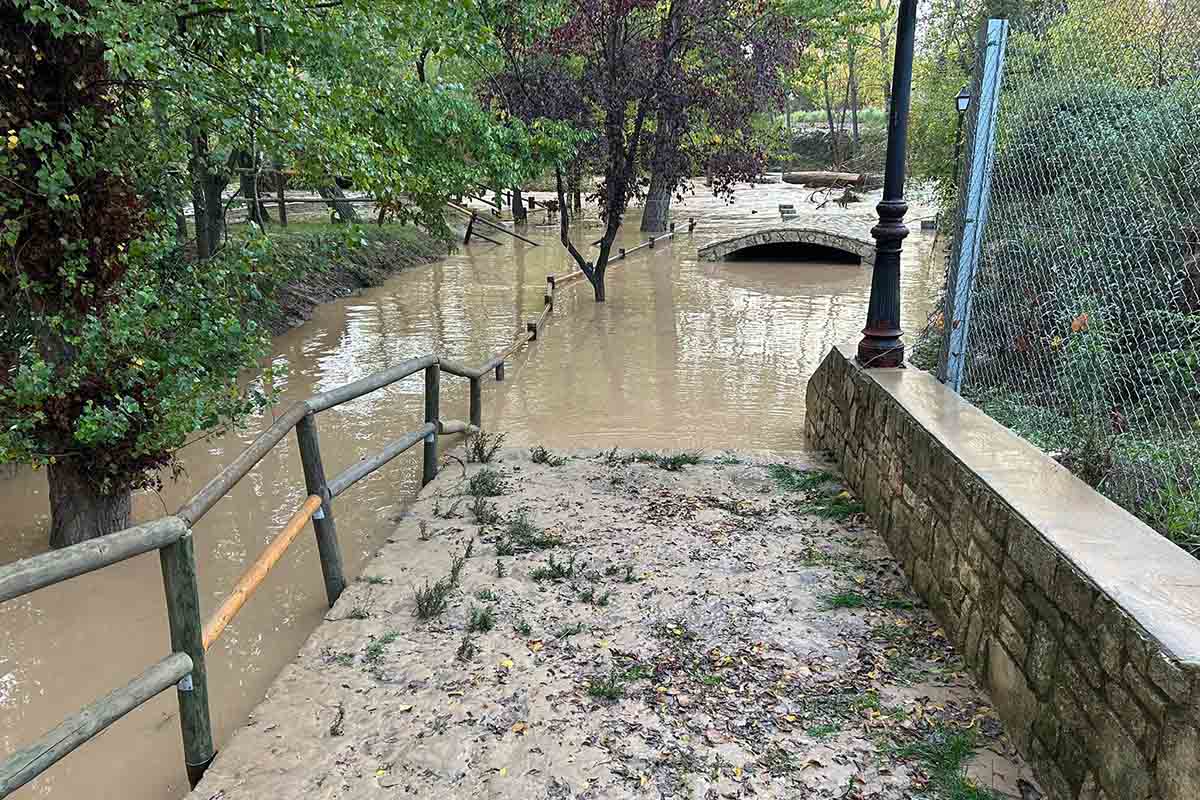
1097 704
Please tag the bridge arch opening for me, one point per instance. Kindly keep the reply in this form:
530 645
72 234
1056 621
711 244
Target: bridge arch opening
799 252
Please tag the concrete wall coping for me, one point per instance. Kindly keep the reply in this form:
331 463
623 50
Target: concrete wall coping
1152 579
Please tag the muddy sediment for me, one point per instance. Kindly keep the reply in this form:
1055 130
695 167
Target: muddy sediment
624 626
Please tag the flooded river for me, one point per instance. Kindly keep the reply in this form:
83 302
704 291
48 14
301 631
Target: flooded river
684 354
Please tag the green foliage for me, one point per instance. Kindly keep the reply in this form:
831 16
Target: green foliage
943 753
845 600
554 570
540 455
432 600
482 446
145 373
790 479
117 345
485 483
607 687
672 462
522 536
481 619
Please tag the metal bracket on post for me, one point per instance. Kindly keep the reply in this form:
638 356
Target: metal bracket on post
974 206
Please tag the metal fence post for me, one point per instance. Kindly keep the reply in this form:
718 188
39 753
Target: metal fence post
432 401
187 636
500 371
323 523
974 206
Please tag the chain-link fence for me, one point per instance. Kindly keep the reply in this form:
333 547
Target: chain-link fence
1076 260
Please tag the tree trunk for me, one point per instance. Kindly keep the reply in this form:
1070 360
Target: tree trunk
853 77
833 133
519 211
256 209
78 510
657 212
337 201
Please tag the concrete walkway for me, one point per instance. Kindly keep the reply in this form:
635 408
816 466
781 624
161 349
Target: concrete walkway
625 628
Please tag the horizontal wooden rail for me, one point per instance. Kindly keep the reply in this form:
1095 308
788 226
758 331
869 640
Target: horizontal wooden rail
352 391
253 577
489 223
26 764
227 478
33 573
365 467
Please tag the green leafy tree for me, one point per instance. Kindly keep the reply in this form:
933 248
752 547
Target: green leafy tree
117 344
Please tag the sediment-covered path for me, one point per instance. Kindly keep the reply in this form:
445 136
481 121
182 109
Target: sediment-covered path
614 624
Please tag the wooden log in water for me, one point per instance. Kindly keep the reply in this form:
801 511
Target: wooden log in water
825 178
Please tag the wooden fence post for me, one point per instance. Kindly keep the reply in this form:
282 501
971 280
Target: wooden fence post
470 226
476 402
280 182
974 207
432 402
187 636
500 371
323 523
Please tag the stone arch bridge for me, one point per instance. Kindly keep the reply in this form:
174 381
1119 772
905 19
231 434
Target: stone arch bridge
846 238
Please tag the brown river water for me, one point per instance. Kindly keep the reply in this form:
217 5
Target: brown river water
684 355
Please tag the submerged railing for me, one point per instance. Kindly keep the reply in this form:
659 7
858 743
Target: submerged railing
171 536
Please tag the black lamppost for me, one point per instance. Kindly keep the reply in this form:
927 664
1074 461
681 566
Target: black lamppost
963 101
881 345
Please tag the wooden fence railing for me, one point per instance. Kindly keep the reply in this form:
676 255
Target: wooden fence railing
171 536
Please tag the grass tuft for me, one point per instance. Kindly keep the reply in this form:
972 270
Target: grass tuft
790 479
845 600
466 649
840 507
482 447
432 600
485 483
944 753
540 455
481 618
522 536
554 570
673 462
610 687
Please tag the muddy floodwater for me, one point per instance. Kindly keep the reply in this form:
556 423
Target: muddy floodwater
685 354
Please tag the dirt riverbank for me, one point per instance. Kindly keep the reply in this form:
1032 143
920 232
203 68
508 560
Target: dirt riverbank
328 268
625 626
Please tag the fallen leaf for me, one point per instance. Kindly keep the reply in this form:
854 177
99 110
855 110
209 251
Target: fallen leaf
503 771
405 708
519 728
507 663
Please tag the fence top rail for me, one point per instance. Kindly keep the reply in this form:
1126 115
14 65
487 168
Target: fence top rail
223 481
36 572
351 391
